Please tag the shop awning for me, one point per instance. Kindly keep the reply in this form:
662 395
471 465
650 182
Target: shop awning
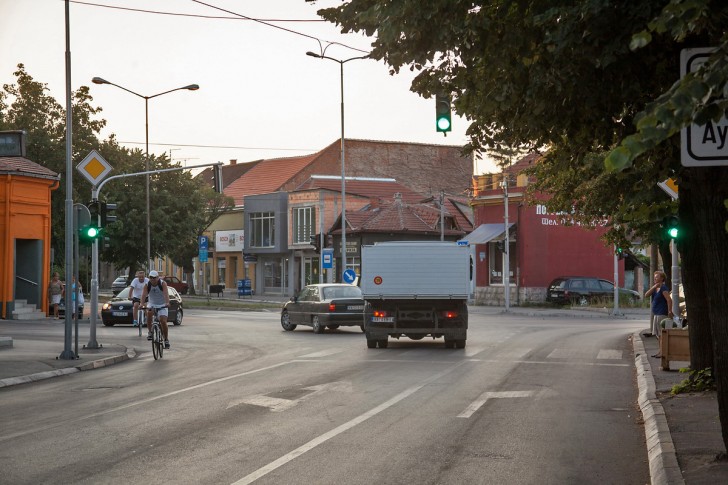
486 232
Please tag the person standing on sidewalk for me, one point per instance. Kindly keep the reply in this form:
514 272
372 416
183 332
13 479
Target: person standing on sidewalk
55 292
661 304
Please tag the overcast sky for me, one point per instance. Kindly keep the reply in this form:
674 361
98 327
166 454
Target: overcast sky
260 95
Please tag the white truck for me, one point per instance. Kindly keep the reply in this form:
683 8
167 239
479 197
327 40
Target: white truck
416 289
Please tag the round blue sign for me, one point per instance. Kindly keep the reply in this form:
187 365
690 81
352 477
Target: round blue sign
349 276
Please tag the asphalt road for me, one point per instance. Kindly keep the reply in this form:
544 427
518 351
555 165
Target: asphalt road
238 400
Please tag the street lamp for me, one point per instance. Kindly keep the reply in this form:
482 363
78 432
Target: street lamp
191 87
343 157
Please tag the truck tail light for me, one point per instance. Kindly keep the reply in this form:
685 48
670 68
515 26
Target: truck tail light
449 314
332 307
380 313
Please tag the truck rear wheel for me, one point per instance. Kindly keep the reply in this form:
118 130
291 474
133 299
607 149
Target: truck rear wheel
371 344
460 344
383 343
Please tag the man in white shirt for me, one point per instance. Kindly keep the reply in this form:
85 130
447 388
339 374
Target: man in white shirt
135 293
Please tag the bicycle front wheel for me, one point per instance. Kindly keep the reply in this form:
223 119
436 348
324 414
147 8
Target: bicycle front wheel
156 342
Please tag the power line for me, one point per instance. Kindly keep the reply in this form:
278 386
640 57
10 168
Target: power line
175 14
219 146
279 27
235 16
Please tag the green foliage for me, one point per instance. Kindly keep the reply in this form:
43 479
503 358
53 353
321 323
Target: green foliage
180 208
697 381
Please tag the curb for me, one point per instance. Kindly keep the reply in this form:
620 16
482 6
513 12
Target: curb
94 364
664 468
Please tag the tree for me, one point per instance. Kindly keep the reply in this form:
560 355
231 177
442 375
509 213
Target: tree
563 75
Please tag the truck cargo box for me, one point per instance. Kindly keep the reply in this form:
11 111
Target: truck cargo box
416 270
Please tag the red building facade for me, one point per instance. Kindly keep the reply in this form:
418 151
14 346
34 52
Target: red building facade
542 245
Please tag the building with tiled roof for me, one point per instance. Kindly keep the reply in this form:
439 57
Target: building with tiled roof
25 229
419 172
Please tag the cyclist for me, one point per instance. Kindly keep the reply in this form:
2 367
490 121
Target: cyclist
135 293
156 291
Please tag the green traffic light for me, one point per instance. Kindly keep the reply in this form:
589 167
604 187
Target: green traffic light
443 124
92 232
672 232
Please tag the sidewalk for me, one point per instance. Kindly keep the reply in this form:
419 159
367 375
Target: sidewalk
683 434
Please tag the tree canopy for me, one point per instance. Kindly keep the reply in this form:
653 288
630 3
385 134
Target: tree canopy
181 208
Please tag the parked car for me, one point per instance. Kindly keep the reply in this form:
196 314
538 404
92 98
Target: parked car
119 284
62 309
582 290
119 310
324 305
177 284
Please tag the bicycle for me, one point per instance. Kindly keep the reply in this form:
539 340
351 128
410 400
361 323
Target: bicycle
141 317
157 337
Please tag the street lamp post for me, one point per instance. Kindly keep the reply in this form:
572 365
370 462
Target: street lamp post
343 153
191 87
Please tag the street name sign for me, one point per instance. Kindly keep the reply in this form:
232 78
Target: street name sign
702 145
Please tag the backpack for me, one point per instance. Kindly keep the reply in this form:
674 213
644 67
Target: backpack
159 284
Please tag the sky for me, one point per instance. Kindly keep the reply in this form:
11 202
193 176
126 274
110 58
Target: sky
260 95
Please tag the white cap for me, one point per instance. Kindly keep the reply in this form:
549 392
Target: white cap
153 274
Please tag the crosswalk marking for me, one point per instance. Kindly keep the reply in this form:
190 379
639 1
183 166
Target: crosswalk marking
478 403
322 353
570 354
609 354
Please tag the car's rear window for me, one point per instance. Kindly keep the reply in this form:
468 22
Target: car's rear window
342 292
557 284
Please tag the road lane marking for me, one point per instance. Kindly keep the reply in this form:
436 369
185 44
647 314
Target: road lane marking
609 354
143 401
276 404
478 403
260 472
323 353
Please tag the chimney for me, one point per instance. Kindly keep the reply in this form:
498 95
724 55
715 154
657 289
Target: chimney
233 162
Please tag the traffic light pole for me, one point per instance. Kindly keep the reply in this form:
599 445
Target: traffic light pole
675 280
95 190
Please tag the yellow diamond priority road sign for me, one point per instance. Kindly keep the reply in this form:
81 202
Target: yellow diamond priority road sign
670 187
94 167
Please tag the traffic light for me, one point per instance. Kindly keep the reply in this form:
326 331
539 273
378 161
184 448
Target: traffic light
671 224
443 116
620 253
217 184
316 243
106 216
88 234
329 240
94 209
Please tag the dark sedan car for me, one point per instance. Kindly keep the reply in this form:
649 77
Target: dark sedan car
582 290
119 310
327 305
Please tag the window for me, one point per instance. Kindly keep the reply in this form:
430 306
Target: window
497 262
262 228
304 224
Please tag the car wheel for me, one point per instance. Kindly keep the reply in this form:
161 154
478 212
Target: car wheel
371 344
333 327
316 324
286 322
383 343
178 317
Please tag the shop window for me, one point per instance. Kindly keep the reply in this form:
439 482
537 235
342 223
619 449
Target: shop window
496 262
262 228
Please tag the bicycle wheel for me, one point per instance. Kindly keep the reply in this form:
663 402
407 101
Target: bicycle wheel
140 318
156 342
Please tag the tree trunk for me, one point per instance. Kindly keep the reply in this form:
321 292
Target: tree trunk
708 190
666 255
696 302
